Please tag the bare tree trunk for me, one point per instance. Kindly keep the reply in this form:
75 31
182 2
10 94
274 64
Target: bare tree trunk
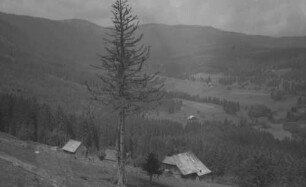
151 179
35 128
118 147
125 86
121 151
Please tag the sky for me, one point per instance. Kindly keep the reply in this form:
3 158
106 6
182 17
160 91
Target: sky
260 17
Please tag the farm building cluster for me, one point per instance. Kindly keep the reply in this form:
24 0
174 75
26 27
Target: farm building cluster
183 165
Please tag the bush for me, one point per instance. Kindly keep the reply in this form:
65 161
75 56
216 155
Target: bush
101 155
152 166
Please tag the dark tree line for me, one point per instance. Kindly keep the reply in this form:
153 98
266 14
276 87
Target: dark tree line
257 111
29 120
287 85
297 112
229 80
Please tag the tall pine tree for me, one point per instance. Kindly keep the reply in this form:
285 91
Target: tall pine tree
123 83
152 166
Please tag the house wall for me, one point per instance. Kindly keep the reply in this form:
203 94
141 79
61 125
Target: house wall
81 151
192 176
171 170
174 171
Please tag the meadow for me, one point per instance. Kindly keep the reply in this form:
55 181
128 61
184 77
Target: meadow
37 165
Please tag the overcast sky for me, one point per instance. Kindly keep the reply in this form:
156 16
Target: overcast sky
265 17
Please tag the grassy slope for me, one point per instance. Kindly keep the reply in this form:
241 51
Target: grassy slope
12 176
23 167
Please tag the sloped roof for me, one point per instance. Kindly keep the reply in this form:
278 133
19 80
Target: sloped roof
71 146
110 154
191 117
187 163
169 160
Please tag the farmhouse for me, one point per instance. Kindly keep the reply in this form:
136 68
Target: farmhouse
192 118
185 165
75 147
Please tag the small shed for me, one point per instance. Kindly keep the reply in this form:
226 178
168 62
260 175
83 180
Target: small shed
111 155
75 147
185 165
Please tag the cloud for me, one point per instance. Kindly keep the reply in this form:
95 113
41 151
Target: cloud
266 17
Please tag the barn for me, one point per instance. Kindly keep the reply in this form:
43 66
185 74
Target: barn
75 147
192 118
185 165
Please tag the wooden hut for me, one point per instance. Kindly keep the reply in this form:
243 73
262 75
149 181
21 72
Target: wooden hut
185 165
75 147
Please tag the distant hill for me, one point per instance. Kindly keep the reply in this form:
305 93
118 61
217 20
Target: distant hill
43 56
79 41
69 41
196 48
48 59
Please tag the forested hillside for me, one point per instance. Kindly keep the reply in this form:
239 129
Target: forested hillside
240 153
176 50
51 60
44 65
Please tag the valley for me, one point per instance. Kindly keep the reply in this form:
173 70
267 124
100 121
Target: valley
246 94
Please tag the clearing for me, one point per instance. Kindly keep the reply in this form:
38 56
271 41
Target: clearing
203 111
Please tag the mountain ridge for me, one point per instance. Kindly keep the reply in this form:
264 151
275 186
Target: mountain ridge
65 49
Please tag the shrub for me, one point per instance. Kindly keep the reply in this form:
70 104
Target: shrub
101 155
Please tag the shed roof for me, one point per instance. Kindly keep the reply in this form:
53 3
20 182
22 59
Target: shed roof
71 146
187 163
